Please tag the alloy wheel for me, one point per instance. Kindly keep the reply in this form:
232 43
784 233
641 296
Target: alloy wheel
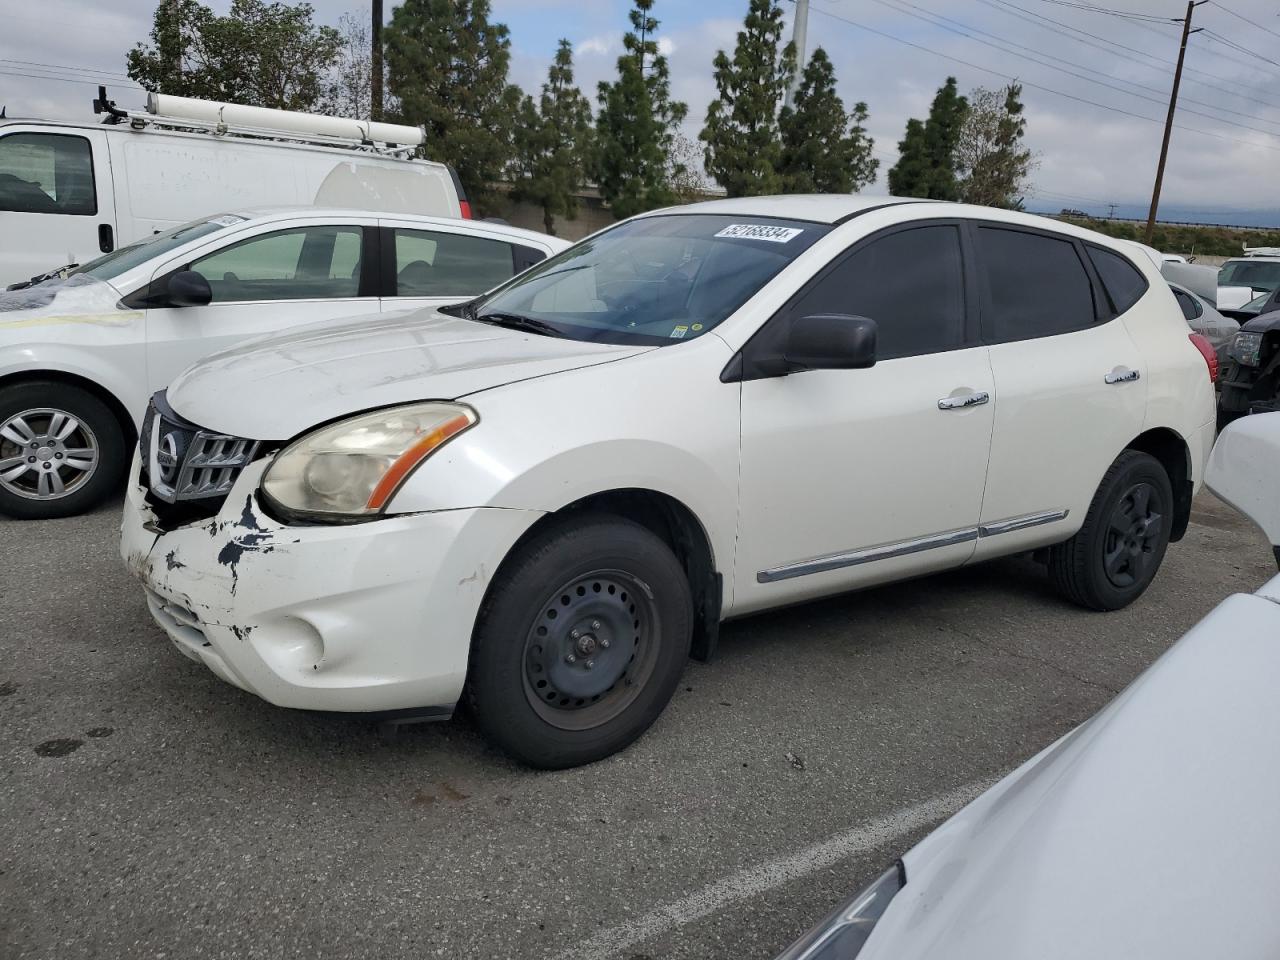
46 454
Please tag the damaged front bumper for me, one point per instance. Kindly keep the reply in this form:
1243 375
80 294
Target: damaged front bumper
361 617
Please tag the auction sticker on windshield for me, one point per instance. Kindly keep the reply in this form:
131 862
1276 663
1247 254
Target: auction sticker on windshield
760 231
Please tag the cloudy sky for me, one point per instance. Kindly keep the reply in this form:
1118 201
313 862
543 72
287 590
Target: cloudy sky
1096 84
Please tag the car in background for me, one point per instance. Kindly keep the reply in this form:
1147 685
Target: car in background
1242 279
1204 319
1148 831
544 500
81 352
1263 303
70 191
1250 379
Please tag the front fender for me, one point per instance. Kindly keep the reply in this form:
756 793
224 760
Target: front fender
102 367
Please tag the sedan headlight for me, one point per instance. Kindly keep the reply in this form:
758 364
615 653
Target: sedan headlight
353 467
842 935
1246 349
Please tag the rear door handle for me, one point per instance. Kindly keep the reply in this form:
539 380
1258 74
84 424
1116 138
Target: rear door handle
1122 375
967 400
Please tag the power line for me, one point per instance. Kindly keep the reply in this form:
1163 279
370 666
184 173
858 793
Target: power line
1037 86
64 67
1159 100
1124 14
88 81
1238 47
1159 97
1252 23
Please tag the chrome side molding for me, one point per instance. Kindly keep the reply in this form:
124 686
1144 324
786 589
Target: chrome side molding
905 548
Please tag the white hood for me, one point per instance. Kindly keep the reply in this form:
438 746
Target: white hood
1151 831
276 387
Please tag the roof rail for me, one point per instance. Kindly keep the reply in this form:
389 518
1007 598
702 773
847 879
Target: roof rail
1260 251
264 123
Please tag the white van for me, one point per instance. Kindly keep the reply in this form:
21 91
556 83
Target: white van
70 192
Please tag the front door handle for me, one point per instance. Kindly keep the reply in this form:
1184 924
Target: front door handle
1122 375
966 400
106 238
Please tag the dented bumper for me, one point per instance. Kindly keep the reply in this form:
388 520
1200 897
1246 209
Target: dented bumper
361 617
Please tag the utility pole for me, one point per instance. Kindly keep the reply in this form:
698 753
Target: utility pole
1168 123
798 30
375 64
1111 213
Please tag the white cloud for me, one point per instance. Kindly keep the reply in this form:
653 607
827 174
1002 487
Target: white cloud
594 46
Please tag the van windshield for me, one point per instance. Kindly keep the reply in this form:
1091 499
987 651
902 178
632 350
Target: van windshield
111 265
656 280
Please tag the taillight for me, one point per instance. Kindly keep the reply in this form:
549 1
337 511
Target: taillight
466 209
1210 355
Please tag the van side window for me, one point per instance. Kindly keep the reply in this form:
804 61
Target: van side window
1124 282
308 263
1036 285
47 173
437 264
910 282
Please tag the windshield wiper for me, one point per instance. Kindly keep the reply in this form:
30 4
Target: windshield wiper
516 321
42 277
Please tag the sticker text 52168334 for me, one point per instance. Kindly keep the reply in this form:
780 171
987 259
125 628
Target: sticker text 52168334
760 231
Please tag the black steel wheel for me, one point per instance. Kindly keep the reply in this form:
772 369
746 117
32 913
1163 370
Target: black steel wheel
580 643
1114 557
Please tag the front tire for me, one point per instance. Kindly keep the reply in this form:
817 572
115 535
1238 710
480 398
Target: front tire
1115 556
581 642
62 450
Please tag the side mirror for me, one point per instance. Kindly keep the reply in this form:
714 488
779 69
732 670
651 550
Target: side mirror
830 341
1243 468
188 289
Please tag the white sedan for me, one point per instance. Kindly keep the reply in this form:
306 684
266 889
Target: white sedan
545 499
82 351
1149 831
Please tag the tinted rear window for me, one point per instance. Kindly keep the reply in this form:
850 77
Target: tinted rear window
1125 284
1036 285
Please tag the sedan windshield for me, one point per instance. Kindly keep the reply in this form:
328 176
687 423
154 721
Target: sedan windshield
656 280
119 261
1258 274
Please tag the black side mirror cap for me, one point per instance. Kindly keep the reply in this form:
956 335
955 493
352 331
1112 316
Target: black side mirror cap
188 289
825 341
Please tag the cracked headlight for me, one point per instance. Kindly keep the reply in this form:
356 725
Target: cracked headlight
843 934
352 468
1246 349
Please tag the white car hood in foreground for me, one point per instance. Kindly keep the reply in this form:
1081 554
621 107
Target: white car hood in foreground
1152 831
277 387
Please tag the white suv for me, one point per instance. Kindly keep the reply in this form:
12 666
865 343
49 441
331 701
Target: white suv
545 499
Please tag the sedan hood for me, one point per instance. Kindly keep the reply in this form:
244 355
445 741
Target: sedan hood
1262 323
1150 831
276 387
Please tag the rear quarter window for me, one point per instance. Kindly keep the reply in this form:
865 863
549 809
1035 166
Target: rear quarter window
1123 282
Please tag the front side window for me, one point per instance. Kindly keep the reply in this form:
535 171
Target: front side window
47 173
910 282
431 263
1036 285
307 263
657 280
1263 276
1124 282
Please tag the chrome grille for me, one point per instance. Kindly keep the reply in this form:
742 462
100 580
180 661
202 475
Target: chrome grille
184 462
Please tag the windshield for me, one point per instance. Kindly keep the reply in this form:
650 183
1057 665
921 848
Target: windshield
655 280
1258 274
111 265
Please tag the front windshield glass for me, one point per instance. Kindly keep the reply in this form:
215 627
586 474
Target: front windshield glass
656 280
111 265
1258 274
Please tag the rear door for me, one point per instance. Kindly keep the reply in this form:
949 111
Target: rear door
57 203
289 274
1068 379
433 266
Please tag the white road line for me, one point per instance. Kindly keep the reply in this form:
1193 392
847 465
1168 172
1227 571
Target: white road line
774 873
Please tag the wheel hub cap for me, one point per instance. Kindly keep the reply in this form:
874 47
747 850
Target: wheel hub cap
1133 535
45 454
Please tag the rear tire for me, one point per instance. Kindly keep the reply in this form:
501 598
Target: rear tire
581 642
1116 554
62 450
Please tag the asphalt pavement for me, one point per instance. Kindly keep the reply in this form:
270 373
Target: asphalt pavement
150 810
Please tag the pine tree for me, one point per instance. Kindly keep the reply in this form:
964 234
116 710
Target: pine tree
824 150
553 142
447 66
636 124
993 164
926 166
744 149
